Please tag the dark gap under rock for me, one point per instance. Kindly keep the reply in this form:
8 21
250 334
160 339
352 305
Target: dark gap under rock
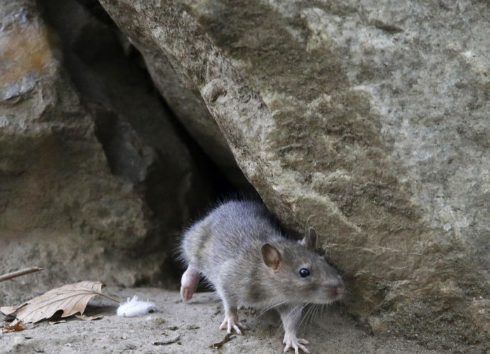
144 143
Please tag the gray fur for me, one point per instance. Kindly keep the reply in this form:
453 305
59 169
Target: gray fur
226 248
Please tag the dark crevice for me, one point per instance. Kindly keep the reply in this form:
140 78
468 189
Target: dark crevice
105 67
221 185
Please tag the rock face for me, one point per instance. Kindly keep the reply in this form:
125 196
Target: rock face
193 113
367 121
94 181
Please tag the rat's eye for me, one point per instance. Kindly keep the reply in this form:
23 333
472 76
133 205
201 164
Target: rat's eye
303 272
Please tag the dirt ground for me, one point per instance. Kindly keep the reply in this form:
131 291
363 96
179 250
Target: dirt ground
192 328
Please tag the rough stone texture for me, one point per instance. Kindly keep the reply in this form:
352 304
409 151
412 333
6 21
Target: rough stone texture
367 121
61 208
194 115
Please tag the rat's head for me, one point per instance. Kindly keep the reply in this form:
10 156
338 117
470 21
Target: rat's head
300 274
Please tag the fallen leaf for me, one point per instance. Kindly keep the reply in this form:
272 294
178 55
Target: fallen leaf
228 337
17 326
88 318
68 299
8 310
56 322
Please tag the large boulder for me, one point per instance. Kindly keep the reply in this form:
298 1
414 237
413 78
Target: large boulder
368 122
95 182
194 115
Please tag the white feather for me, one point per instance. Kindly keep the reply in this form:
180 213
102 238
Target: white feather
133 308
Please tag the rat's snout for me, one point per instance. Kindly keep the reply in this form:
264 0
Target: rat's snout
336 289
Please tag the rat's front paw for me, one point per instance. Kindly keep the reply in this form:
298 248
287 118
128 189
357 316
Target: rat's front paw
231 322
295 343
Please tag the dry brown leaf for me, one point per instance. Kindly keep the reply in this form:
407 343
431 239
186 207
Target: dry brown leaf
8 310
17 326
69 299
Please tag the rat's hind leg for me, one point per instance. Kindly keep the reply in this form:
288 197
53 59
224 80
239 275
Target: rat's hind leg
231 321
189 282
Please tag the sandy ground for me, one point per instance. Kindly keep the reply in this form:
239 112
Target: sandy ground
196 326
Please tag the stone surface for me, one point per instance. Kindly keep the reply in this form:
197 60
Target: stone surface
94 180
194 115
366 121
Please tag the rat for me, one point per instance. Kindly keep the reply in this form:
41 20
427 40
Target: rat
239 249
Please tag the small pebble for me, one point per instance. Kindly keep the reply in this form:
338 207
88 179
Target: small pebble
156 319
130 347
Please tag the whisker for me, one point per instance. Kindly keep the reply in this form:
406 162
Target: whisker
292 310
270 308
312 314
313 311
304 317
318 308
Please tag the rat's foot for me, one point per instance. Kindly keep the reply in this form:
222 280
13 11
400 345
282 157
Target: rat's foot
189 282
295 343
231 322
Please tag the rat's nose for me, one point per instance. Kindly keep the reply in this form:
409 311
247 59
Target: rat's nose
336 290
339 290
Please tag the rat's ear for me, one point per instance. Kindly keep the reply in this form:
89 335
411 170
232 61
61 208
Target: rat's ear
272 257
309 240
